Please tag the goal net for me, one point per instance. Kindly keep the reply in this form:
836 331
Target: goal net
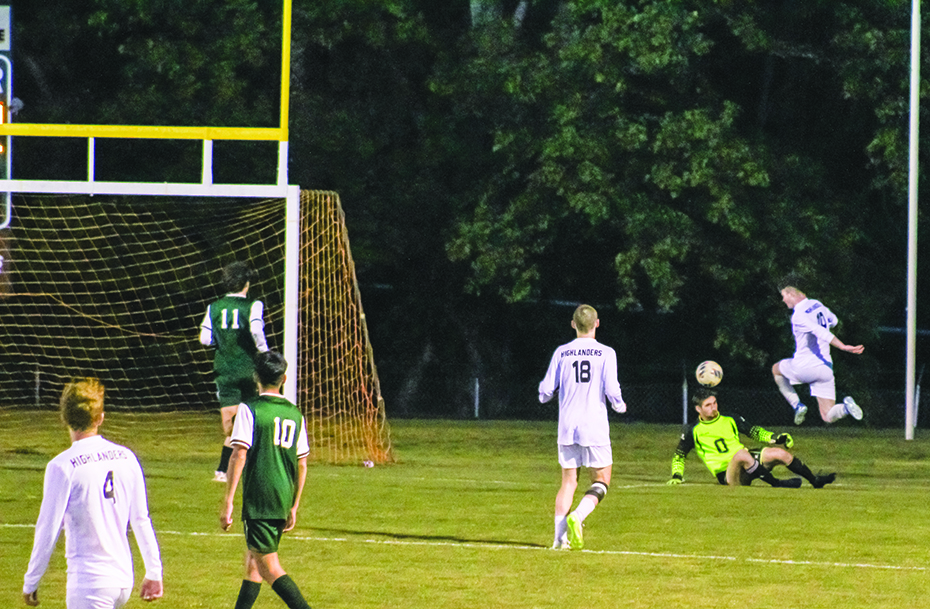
116 287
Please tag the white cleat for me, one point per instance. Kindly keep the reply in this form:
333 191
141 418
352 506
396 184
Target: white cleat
799 413
852 409
560 545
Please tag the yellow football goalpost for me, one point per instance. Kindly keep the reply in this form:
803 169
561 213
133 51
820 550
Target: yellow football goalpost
358 406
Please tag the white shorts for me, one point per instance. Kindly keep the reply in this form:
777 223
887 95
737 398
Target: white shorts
819 377
97 598
573 456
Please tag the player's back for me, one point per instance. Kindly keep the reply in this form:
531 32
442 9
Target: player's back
278 441
811 322
584 372
102 479
235 347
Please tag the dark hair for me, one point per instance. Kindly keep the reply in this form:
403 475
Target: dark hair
270 367
236 275
702 394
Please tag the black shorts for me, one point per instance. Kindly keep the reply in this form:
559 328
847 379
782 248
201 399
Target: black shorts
744 479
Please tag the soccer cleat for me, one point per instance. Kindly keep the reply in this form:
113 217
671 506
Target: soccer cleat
799 413
575 536
219 477
560 545
789 483
852 409
822 481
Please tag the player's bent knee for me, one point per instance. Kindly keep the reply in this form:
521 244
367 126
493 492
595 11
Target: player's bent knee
598 490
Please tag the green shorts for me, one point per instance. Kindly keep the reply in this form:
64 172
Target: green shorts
263 536
232 392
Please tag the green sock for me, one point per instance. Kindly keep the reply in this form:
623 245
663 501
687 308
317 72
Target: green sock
247 594
285 587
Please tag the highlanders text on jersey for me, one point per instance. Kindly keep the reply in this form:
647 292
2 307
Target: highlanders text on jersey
584 373
274 432
810 323
95 489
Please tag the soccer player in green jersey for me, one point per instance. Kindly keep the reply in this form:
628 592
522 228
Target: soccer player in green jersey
270 457
716 439
234 325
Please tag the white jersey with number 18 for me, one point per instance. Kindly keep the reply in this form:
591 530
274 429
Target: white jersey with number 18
584 373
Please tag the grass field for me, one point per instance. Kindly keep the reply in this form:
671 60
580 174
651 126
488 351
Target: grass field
464 519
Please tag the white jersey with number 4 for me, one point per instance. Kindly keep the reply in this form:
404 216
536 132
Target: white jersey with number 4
95 489
811 322
584 373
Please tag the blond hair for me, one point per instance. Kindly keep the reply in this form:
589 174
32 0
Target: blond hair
585 316
82 403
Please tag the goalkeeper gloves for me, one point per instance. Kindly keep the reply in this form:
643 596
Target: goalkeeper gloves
676 479
784 438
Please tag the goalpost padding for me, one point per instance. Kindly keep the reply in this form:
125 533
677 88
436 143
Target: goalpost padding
115 287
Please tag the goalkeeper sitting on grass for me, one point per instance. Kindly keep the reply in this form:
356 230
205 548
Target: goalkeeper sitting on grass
716 439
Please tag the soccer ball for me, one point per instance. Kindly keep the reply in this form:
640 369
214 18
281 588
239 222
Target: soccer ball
709 373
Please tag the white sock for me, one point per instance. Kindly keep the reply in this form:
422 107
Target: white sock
836 413
788 391
585 507
561 530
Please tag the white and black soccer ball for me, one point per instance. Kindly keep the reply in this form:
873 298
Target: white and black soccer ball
709 373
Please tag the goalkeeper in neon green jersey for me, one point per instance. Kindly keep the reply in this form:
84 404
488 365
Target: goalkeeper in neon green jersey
716 439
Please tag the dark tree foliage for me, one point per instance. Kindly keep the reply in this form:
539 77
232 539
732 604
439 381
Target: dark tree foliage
665 160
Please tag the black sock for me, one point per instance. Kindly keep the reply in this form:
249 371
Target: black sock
247 594
285 587
224 459
763 473
798 467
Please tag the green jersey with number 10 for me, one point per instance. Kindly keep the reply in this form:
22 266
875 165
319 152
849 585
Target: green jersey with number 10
274 432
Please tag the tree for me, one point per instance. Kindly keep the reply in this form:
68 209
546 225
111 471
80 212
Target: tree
640 156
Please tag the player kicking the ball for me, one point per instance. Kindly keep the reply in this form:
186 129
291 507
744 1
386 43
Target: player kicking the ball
584 372
716 439
811 323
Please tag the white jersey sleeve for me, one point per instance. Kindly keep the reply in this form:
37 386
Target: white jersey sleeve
206 329
142 528
243 427
257 325
303 445
55 493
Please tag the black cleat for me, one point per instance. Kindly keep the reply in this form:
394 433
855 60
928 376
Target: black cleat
789 483
822 481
